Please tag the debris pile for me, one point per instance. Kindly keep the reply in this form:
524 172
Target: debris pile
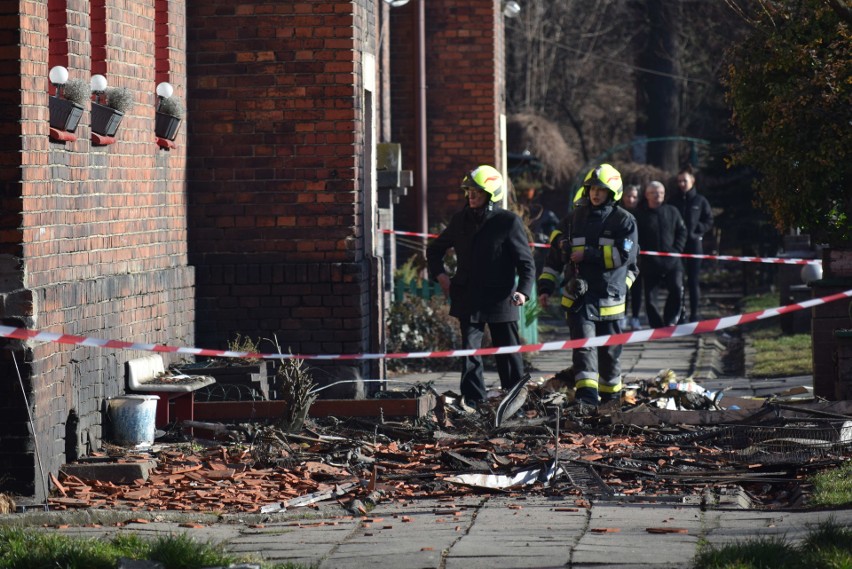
644 448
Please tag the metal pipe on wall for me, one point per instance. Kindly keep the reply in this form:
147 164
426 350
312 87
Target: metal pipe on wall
420 109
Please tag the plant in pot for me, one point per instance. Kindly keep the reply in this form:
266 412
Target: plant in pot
169 114
241 379
67 109
106 116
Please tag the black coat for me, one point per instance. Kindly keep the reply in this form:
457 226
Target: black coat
489 254
697 215
660 229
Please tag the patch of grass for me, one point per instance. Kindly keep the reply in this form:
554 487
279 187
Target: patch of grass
759 302
828 545
775 355
771 552
833 487
23 548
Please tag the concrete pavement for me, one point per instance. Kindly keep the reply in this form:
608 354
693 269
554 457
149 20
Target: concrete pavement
486 532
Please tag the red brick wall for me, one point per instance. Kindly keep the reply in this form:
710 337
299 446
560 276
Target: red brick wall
275 173
93 237
828 318
464 67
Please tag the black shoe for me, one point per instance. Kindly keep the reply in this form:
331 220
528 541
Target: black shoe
582 409
468 405
514 400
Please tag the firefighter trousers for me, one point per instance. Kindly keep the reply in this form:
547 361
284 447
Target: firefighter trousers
597 369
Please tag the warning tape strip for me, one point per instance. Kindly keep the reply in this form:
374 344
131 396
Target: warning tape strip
744 259
772 260
648 335
414 234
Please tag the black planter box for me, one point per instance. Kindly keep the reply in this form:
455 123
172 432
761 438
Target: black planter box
105 120
64 114
166 126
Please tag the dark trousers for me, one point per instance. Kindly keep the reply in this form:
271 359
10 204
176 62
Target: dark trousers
510 367
672 280
693 268
635 296
597 365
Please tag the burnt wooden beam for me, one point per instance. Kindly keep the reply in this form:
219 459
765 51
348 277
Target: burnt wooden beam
255 410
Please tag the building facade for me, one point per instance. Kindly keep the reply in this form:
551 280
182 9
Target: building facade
259 219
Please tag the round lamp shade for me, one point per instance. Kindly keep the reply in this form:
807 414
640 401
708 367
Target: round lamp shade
58 75
98 83
165 90
811 272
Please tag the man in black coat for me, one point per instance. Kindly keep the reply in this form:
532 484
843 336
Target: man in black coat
698 217
492 251
661 229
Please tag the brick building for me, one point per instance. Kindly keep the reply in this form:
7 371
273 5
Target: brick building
260 218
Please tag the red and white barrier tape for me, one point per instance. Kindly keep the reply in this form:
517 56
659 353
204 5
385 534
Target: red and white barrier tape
413 234
648 335
772 260
744 259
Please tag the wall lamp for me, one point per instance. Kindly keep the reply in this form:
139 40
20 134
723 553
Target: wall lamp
396 3
59 77
164 91
511 9
98 84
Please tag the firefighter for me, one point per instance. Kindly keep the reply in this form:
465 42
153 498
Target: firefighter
592 256
492 253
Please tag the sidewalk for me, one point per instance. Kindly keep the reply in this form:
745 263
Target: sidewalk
488 532
493 530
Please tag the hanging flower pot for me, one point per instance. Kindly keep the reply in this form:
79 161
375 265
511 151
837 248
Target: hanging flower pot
64 114
166 126
168 116
105 120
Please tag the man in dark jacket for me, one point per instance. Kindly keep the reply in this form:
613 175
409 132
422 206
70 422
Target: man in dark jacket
595 246
698 217
492 250
661 229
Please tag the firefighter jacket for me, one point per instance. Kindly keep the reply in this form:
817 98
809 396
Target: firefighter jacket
492 249
608 237
660 229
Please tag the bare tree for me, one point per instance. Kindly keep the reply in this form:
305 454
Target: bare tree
659 84
566 62
611 70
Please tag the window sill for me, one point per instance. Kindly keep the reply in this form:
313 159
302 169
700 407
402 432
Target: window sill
102 140
165 143
62 135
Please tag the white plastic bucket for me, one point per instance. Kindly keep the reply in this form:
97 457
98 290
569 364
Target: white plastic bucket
133 419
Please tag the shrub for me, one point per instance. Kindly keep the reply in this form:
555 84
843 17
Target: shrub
172 106
119 98
417 325
77 91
